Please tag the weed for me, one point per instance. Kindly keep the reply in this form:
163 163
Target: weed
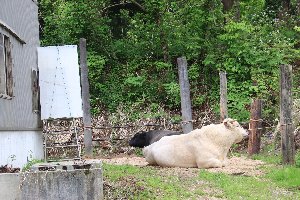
30 163
138 151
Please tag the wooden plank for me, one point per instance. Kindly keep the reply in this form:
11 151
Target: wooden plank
255 127
223 96
286 122
186 108
9 66
85 99
35 91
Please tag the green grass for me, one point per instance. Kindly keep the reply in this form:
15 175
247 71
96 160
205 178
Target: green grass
242 187
144 183
30 163
132 182
288 177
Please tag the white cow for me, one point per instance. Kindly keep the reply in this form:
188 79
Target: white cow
203 148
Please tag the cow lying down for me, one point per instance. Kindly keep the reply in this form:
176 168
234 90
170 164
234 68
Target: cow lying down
143 138
203 148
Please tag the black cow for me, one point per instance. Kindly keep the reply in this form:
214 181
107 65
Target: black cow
145 138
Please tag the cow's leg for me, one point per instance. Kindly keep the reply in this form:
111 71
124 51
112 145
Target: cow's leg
209 163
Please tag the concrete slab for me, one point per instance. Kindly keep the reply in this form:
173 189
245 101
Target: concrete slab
67 165
9 186
70 180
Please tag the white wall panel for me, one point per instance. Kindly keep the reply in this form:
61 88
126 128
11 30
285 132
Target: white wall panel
19 147
59 82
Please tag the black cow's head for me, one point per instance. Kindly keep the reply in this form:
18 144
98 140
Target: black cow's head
140 139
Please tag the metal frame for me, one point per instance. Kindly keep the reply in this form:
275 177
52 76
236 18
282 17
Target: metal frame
72 130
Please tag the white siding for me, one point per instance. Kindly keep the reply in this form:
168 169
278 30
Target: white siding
22 17
18 147
20 127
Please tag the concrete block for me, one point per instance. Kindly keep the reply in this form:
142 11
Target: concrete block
63 181
9 186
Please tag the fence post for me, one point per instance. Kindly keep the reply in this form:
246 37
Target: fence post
286 122
85 99
255 127
186 108
223 96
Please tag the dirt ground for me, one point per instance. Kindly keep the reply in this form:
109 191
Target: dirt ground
235 165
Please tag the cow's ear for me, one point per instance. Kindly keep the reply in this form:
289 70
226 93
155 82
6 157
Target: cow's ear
225 122
228 122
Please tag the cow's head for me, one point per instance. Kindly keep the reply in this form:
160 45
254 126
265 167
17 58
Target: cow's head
139 140
236 128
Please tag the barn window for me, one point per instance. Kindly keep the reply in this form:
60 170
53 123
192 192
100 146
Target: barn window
6 78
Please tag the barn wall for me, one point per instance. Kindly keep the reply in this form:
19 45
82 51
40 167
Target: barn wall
22 17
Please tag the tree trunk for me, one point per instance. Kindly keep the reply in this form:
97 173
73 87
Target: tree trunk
298 9
286 5
237 11
227 4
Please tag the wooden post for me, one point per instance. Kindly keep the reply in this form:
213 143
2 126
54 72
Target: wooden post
255 127
286 122
223 96
186 108
85 100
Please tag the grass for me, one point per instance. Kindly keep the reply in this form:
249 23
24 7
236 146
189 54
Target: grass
241 187
142 183
288 177
31 163
132 182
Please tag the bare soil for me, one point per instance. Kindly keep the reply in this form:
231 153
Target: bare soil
235 166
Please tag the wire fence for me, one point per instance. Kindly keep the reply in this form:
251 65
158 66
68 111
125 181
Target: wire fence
110 135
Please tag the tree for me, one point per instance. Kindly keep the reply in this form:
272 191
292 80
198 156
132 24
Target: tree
227 4
133 46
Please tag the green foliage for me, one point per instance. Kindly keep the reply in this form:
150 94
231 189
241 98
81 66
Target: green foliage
30 164
133 47
253 54
173 92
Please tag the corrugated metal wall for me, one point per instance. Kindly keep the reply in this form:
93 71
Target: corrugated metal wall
22 17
